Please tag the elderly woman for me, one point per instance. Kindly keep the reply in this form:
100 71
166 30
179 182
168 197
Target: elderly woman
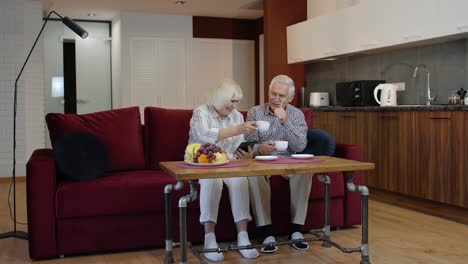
220 123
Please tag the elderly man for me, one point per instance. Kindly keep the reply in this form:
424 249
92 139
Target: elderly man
286 123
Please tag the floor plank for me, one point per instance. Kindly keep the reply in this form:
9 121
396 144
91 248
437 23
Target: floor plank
396 235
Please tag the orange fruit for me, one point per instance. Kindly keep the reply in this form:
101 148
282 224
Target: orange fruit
203 159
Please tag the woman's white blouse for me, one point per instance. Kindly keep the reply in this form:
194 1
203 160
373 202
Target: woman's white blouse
205 125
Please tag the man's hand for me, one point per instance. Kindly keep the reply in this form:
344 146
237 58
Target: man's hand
266 147
247 127
241 154
281 115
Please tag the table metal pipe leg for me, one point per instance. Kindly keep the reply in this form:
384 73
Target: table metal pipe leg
364 215
365 242
168 257
183 201
326 226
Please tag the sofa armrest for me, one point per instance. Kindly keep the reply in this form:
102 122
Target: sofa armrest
352 204
40 192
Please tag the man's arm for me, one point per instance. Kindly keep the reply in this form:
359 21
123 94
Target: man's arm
296 131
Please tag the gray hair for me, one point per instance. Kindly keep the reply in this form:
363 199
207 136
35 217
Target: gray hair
227 90
284 79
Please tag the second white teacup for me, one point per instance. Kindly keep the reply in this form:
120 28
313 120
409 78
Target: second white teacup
281 145
263 126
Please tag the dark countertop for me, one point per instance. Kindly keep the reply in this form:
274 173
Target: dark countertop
398 108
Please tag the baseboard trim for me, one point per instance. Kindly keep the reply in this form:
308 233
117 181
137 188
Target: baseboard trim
445 211
8 179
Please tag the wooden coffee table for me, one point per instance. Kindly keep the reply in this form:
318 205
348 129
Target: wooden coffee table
319 169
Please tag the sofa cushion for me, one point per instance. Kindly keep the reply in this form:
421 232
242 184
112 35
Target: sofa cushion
167 134
319 143
119 130
80 156
118 193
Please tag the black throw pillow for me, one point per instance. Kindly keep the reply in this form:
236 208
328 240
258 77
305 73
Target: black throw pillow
319 143
80 156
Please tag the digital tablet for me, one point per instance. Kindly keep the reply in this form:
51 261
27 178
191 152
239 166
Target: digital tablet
245 145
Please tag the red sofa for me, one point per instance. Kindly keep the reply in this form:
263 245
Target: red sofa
125 209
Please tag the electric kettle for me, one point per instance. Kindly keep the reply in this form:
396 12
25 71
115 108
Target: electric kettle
388 95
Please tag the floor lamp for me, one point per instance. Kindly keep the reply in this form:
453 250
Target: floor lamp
83 34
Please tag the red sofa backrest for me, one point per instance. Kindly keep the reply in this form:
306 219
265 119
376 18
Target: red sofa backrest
119 130
167 134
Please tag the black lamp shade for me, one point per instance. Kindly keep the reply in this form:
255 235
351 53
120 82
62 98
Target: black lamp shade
75 27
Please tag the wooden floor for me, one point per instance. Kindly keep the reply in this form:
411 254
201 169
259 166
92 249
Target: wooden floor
396 236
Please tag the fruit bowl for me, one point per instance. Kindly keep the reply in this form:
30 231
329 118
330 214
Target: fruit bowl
204 154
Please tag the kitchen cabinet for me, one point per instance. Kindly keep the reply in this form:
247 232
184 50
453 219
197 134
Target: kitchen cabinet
403 21
436 156
388 145
375 25
452 16
417 153
313 40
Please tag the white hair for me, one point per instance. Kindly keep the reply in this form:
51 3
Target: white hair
227 90
284 79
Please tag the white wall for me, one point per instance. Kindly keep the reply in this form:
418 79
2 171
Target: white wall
20 22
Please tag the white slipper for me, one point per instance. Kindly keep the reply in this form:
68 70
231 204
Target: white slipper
299 245
269 249
243 240
210 243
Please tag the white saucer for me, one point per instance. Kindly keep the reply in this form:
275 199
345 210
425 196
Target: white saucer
266 157
302 156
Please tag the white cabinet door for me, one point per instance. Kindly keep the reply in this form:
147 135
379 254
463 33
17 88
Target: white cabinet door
297 40
403 21
453 18
360 30
316 38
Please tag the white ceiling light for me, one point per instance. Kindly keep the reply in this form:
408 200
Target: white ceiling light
180 2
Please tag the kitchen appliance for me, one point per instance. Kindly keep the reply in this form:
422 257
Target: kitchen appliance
388 93
319 99
357 93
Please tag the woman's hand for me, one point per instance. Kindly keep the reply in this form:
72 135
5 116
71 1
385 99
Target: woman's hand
266 147
247 127
242 154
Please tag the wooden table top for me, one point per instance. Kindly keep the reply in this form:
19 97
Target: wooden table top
330 164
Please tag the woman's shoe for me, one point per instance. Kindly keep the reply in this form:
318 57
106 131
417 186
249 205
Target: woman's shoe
243 240
210 243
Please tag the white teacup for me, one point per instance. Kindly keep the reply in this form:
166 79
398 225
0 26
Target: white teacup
263 126
281 145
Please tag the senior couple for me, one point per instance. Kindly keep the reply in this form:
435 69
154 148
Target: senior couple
219 122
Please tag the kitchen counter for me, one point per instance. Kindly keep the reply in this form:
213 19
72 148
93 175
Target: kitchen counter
398 108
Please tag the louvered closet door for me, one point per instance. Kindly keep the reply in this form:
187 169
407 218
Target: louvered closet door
143 77
172 73
158 72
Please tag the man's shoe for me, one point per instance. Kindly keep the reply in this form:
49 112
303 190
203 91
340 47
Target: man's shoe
269 249
299 245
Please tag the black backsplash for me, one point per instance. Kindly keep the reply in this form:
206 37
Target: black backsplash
447 63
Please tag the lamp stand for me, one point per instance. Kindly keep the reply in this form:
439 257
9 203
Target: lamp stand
83 34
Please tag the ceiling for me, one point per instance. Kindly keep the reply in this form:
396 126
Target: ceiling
107 9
